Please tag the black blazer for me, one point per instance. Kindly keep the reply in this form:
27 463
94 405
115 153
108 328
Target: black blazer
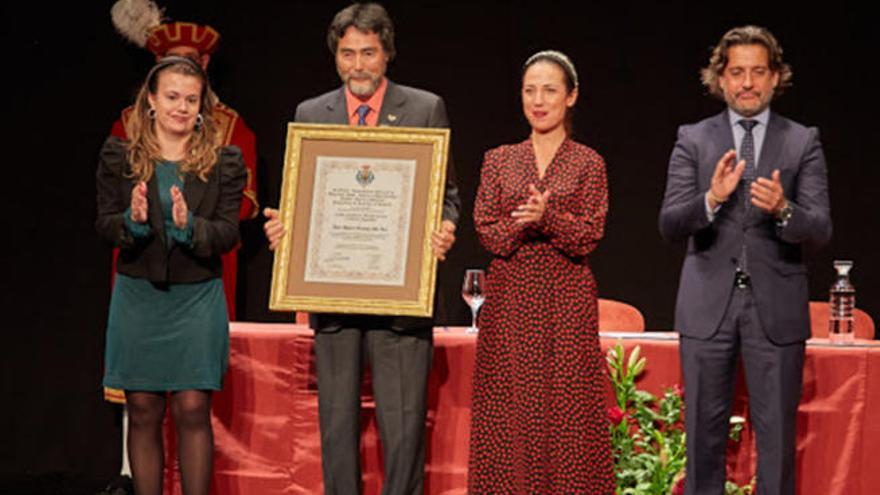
214 205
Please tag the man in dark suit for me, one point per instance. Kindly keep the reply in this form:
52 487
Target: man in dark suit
399 349
747 188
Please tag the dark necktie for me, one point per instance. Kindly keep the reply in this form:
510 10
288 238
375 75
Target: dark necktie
362 112
747 149
747 153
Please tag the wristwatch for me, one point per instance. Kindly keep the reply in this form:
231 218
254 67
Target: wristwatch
784 214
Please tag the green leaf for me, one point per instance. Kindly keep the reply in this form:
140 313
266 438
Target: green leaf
643 396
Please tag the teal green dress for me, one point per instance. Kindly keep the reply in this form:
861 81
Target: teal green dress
170 337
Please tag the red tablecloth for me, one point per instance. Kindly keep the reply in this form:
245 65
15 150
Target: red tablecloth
266 420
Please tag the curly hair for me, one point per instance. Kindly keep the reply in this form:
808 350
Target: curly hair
745 35
143 147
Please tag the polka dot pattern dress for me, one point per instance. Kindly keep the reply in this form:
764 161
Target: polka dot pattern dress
538 415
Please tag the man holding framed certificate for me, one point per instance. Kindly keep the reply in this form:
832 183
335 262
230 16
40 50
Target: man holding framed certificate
398 348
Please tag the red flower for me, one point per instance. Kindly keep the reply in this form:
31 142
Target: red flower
678 390
615 415
678 489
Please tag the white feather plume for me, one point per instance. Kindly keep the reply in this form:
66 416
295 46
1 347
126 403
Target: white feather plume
135 18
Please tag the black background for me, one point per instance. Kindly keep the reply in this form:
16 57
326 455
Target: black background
68 74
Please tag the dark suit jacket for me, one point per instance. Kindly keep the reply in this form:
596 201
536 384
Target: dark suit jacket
214 205
779 277
403 106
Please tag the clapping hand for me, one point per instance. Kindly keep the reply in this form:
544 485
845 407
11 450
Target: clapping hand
179 210
725 178
139 202
768 195
533 209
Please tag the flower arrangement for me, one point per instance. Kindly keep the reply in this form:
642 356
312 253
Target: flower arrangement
647 433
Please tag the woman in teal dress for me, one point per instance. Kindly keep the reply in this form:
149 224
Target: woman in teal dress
168 199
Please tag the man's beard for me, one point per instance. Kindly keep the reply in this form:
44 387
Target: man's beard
363 88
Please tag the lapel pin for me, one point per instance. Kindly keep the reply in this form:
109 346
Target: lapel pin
392 117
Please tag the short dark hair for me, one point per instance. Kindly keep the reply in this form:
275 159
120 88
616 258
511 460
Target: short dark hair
745 35
365 17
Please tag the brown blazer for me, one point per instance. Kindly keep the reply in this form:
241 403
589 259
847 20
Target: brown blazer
214 205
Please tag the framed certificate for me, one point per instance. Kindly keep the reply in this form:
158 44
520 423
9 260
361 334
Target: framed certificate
359 205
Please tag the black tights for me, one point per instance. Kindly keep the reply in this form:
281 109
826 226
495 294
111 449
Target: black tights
191 411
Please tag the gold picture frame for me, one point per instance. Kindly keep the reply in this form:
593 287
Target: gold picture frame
358 206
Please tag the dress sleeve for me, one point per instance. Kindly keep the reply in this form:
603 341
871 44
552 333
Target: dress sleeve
138 230
219 233
183 235
498 231
576 234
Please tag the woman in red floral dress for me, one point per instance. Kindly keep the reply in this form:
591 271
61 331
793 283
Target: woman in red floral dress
539 422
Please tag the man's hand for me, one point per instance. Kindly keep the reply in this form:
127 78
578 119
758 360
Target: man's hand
767 194
725 179
443 239
273 228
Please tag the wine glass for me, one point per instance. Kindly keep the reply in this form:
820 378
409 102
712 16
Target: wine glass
472 292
